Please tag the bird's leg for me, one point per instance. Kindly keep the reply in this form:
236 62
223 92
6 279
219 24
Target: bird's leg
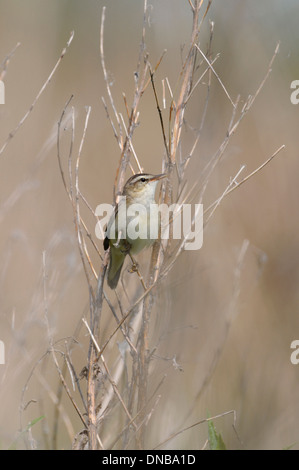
134 269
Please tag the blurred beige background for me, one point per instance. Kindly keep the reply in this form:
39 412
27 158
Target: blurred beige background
253 375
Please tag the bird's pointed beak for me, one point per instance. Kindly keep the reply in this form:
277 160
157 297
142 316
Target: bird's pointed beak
158 177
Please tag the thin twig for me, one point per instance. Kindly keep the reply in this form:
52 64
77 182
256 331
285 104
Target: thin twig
15 130
160 116
244 180
232 183
76 207
52 350
216 74
106 78
112 382
71 144
205 420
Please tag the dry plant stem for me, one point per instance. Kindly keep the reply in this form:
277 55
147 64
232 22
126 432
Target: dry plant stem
160 117
57 411
140 169
118 134
216 158
95 298
124 158
69 189
126 144
174 141
14 131
91 401
140 366
215 73
206 420
95 308
53 397
71 145
180 248
76 207
52 350
233 183
187 74
75 380
112 382
234 125
238 184
140 77
184 95
126 316
182 168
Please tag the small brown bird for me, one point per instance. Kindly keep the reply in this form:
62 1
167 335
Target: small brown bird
139 189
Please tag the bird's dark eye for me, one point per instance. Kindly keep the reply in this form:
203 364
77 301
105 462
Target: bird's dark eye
143 180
